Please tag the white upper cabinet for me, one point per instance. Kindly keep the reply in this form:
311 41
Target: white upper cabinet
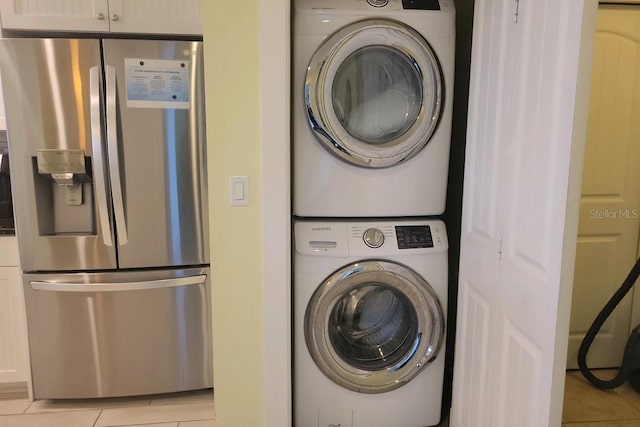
57 15
155 16
118 16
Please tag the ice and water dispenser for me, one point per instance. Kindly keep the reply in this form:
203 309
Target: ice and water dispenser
63 192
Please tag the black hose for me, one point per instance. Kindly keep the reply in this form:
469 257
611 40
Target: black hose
630 351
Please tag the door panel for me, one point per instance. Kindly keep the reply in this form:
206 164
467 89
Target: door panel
14 355
369 102
47 91
480 240
372 326
517 214
161 153
537 214
610 203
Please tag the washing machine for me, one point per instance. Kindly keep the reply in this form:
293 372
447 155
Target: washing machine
372 102
369 302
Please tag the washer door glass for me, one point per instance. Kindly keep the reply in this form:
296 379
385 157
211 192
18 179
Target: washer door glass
373 93
373 326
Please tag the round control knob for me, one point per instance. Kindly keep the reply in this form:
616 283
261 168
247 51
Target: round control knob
373 238
378 3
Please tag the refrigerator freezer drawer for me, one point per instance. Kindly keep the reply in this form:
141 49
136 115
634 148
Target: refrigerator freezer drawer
125 338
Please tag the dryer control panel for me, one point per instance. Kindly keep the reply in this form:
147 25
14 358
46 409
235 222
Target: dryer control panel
421 4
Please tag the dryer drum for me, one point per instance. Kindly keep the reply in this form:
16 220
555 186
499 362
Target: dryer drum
374 93
372 326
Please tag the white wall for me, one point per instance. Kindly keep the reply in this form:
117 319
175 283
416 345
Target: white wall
247 78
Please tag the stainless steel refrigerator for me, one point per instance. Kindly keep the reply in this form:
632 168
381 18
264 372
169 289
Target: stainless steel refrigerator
107 151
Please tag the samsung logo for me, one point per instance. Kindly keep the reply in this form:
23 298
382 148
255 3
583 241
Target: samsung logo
320 228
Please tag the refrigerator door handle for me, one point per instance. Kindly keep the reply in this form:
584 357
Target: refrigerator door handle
114 159
120 286
95 90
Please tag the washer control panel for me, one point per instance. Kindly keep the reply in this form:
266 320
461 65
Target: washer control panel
373 238
369 239
414 236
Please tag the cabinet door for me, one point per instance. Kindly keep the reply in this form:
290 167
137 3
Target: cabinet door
76 15
156 16
13 331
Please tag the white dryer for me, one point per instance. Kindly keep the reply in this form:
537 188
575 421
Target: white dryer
369 306
372 103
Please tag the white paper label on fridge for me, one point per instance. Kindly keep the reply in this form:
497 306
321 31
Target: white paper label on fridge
157 83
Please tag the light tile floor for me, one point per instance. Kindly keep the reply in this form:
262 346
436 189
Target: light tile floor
189 409
584 406
587 406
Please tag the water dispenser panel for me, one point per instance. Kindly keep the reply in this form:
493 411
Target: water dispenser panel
66 167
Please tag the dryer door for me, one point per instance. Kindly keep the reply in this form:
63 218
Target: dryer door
374 93
373 325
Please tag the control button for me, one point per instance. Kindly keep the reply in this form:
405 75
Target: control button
378 3
373 238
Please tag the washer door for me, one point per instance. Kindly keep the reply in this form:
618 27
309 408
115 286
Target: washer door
372 326
374 92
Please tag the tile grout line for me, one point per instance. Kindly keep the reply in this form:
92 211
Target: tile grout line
629 401
28 407
97 418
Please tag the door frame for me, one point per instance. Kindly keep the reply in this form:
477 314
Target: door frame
274 398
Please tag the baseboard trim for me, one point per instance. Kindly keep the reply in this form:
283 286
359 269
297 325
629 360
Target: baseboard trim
19 390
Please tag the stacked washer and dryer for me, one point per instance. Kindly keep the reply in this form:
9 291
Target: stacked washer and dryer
372 88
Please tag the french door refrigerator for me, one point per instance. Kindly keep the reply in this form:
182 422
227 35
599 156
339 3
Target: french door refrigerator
107 151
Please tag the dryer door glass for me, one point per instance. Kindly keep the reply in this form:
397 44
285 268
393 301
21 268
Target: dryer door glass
377 94
374 325
374 93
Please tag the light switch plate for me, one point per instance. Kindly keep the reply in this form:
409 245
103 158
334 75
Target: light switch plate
239 191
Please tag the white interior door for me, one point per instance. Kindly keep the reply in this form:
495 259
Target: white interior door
610 203
522 175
